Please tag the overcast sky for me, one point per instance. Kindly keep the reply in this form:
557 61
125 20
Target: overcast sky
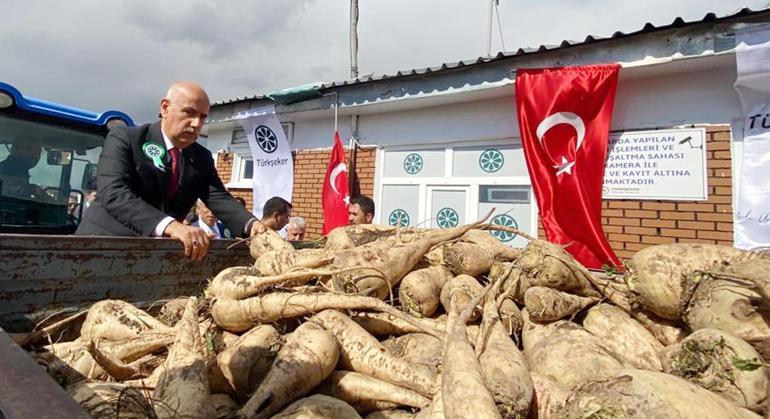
123 54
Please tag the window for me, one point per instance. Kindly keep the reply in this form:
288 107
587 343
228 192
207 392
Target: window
239 137
456 184
243 166
247 169
42 171
243 171
504 194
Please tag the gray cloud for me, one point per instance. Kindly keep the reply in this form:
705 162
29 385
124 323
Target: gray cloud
222 27
99 55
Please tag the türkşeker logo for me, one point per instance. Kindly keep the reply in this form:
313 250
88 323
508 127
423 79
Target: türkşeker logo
413 163
268 142
569 118
266 139
504 220
491 160
398 218
155 152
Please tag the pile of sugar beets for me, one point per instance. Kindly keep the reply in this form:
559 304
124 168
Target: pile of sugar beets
430 323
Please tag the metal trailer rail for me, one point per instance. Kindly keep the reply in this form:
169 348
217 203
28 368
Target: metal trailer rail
40 275
26 391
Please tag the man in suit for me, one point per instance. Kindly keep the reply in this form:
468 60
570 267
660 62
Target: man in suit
209 222
150 176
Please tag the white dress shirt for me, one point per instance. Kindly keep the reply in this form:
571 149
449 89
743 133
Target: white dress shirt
205 227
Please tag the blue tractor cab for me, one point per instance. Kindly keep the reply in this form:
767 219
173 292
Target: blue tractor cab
49 153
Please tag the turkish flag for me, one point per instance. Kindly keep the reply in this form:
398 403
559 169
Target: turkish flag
564 120
335 197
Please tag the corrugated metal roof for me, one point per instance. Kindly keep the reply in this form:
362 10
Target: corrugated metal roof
590 39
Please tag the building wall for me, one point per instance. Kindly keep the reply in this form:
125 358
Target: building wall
658 96
633 225
630 225
695 92
704 95
309 172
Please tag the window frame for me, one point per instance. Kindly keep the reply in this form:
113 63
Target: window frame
239 166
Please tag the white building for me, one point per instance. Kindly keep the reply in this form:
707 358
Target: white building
447 139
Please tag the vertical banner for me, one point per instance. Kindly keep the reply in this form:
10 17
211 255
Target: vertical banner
564 119
273 165
334 195
752 206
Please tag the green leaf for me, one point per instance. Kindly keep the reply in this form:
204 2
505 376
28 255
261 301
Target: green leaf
609 270
748 364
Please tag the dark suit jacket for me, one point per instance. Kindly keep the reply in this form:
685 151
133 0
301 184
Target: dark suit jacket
130 199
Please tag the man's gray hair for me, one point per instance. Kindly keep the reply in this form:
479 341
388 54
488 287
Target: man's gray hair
297 221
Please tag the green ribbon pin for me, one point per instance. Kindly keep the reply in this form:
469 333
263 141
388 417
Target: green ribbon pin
155 152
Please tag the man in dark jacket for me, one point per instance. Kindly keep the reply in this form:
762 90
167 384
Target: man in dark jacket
150 176
14 170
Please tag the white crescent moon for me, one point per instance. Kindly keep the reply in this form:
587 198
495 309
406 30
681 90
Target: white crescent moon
568 118
333 176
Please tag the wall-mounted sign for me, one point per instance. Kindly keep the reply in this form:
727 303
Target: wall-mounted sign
664 164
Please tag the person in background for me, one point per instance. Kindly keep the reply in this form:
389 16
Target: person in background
151 175
361 210
296 229
88 199
190 219
73 209
209 223
90 196
276 213
14 170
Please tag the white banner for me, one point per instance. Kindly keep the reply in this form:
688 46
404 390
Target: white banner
273 166
752 206
663 164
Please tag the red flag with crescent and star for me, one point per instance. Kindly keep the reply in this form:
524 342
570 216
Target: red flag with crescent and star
335 197
564 120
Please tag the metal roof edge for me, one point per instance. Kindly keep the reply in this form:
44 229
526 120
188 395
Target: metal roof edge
678 22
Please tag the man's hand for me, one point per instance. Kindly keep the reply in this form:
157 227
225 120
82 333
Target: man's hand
196 242
256 228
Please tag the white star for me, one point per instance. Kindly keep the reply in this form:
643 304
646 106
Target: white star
564 167
347 200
